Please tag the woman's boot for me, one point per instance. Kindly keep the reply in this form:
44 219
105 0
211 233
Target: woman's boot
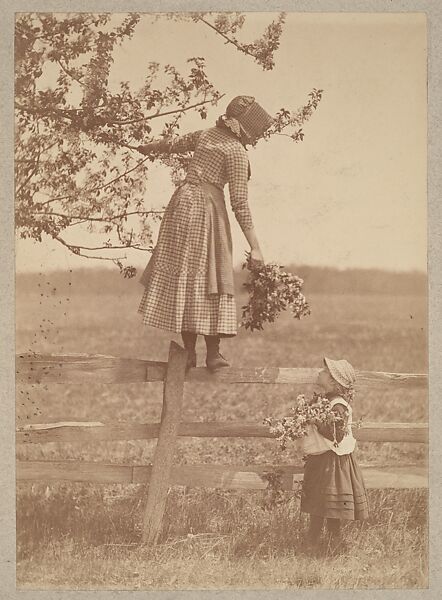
189 341
214 360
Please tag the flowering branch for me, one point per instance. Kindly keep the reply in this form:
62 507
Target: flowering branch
317 411
271 290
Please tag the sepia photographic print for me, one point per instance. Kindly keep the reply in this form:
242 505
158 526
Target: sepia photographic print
221 300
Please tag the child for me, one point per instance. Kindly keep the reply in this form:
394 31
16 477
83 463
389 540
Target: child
333 486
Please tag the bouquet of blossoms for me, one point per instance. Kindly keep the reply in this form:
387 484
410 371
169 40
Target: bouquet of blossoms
271 290
316 411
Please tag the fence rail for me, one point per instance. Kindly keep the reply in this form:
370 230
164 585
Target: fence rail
97 431
83 368
234 477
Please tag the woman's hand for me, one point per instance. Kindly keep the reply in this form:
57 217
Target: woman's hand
256 257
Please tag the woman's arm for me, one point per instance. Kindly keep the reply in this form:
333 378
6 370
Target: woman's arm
183 143
237 169
255 250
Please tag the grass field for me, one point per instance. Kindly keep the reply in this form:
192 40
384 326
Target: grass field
78 536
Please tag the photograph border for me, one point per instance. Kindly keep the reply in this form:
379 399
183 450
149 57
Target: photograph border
433 10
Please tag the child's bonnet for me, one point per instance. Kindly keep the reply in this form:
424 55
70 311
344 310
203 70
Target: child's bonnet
315 443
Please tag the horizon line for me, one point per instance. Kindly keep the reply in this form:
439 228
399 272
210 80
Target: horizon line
237 268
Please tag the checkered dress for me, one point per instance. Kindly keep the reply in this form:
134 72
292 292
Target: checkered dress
189 278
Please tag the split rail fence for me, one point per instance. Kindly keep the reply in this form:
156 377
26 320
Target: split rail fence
163 473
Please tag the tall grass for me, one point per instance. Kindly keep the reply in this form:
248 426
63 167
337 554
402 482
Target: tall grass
81 535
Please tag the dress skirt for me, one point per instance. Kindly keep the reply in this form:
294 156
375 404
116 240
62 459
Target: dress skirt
333 487
188 282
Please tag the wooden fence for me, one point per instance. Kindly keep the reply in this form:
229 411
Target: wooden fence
80 368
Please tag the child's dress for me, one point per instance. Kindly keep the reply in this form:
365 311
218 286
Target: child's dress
333 485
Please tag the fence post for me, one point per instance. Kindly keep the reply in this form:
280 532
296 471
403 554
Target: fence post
165 449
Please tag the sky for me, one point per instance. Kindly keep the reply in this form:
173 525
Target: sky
353 193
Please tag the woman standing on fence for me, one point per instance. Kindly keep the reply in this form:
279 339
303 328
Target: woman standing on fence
188 281
333 486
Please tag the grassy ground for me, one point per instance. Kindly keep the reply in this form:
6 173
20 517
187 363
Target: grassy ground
85 536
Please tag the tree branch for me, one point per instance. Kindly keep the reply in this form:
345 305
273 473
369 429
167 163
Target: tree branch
163 114
30 175
65 112
76 246
76 112
70 74
84 219
122 247
228 40
112 258
100 187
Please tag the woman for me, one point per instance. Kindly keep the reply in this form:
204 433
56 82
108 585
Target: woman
189 279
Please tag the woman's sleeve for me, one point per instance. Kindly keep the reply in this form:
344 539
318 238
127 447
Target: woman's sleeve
183 143
327 429
237 170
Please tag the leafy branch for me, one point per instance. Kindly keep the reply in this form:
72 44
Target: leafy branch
75 137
